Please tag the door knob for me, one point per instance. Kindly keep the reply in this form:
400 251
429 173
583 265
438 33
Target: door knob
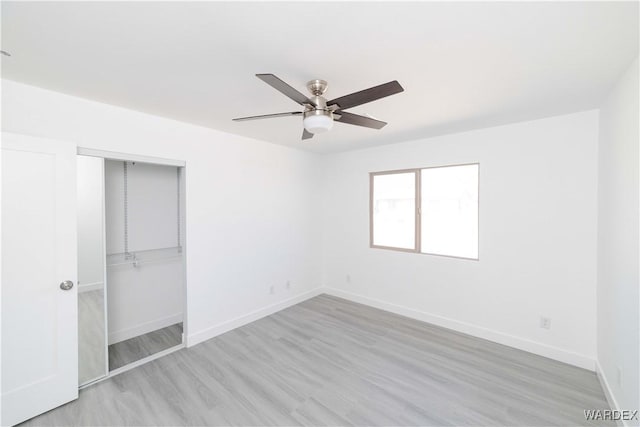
66 285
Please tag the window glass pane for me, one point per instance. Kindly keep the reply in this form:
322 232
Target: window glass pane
449 211
394 219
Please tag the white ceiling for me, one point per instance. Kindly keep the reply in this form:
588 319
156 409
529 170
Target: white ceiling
463 65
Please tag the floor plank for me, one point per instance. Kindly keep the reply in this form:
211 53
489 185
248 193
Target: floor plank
328 361
124 352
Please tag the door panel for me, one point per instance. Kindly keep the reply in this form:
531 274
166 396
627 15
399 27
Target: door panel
93 362
39 251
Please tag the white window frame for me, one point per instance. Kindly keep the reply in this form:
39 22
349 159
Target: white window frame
418 214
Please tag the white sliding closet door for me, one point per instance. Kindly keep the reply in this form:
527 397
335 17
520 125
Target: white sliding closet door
39 254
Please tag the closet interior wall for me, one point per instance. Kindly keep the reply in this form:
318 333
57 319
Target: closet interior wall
144 248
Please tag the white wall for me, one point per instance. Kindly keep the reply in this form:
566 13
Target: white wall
618 246
252 208
144 298
90 222
538 184
150 295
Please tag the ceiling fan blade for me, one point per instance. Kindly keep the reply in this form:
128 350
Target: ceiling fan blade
355 119
306 134
268 116
367 95
283 87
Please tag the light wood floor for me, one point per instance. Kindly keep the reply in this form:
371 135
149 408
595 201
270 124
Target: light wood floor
136 348
328 361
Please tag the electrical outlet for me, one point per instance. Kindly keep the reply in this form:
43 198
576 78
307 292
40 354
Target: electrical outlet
619 377
272 290
545 322
288 284
348 278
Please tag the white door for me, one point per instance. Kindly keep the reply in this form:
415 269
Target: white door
39 254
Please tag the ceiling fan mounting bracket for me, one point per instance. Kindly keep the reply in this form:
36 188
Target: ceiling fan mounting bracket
317 87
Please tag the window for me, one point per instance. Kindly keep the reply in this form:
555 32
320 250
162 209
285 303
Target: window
430 210
394 210
449 211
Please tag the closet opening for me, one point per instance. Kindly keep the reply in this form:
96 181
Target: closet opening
131 265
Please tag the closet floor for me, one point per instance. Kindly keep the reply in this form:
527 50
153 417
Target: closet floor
125 352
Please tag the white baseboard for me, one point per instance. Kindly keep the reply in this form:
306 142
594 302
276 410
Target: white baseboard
604 383
467 328
143 328
223 327
96 286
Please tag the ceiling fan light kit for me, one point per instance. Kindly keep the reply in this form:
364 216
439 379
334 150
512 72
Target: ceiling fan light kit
318 121
319 114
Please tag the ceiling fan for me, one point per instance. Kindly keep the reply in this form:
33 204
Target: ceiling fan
319 114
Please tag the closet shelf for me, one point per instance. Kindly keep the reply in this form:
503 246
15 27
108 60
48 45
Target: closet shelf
137 258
